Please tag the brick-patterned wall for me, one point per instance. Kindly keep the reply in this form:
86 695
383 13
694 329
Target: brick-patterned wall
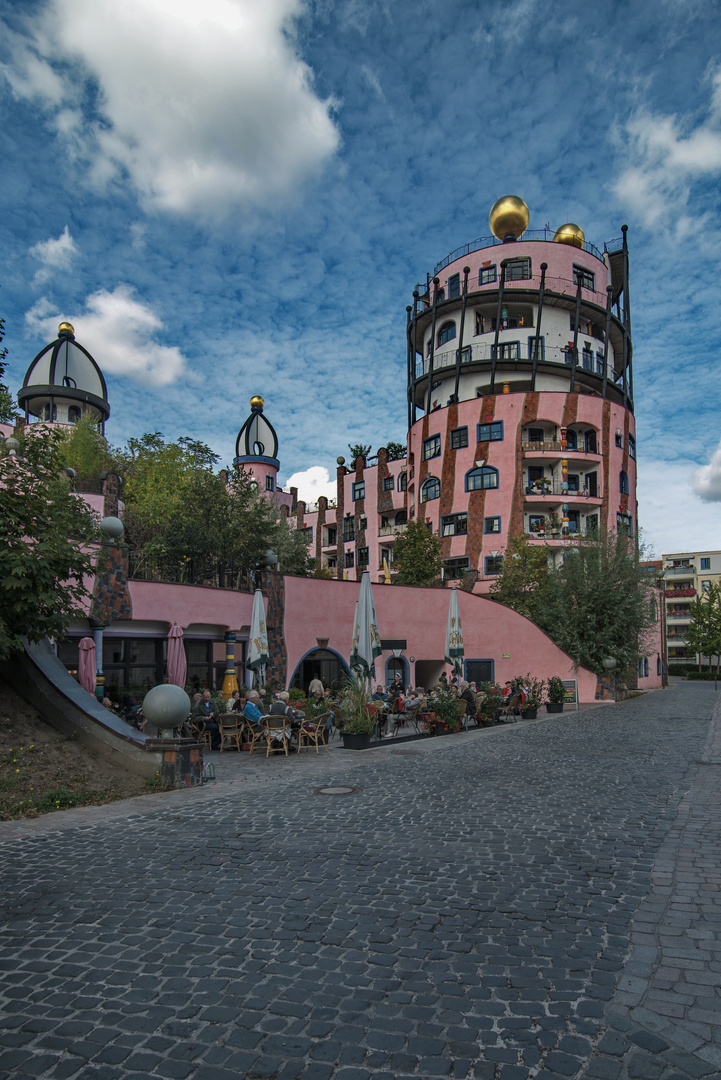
359 512
448 473
626 423
110 488
319 526
477 499
385 498
339 515
570 409
111 597
273 585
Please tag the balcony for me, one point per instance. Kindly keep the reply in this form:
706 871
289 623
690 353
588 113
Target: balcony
510 351
535 446
686 571
670 593
554 489
393 530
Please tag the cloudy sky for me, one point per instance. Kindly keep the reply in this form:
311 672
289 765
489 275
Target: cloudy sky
229 197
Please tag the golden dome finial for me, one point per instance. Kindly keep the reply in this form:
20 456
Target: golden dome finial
509 216
569 234
256 402
66 328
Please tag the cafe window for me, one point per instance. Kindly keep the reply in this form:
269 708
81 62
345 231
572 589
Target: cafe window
459 438
454 525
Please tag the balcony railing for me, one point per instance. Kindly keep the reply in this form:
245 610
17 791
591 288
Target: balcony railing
686 571
492 241
555 487
680 592
392 530
482 352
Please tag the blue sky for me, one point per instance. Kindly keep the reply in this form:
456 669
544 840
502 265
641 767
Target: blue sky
232 197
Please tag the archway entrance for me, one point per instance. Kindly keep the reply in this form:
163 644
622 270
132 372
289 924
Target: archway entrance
323 664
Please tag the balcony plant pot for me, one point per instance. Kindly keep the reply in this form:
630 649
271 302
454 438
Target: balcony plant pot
356 740
554 706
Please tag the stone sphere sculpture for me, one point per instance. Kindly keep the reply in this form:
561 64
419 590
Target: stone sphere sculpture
166 707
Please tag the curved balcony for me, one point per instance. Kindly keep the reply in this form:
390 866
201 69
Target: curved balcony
491 241
553 491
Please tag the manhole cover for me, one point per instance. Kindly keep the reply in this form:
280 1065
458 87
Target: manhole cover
336 790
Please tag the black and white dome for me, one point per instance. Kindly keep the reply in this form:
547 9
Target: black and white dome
63 382
257 440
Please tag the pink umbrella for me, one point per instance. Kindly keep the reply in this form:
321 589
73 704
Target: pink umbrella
87 674
177 664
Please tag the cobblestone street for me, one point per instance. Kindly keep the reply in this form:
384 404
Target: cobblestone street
535 900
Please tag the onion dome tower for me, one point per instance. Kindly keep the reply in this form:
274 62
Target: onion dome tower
256 448
63 382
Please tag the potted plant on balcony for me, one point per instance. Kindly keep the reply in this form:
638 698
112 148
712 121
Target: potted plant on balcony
553 524
534 695
359 720
555 694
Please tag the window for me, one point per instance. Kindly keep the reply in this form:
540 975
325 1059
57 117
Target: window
331 537
658 663
623 482
359 490
632 447
307 534
430 489
587 358
571 440
403 481
481 478
73 414
487 275
454 525
590 442
446 333
431 447
269 483
363 523
492 525
46 412
349 559
493 564
536 434
705 562
456 568
331 563
509 350
645 667
624 524
363 556
459 438
518 269
454 286
388 483
541 347
599 363
348 529
619 438
583 277
536 522
573 521
573 482
490 432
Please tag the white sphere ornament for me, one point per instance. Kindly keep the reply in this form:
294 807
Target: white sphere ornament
166 706
112 527
608 663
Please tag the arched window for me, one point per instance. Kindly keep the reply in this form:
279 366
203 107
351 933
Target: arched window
73 414
623 482
483 477
446 333
430 489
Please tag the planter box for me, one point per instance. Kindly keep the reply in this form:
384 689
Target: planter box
530 714
554 706
356 740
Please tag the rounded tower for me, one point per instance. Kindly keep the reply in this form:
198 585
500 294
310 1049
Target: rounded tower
256 448
63 382
520 392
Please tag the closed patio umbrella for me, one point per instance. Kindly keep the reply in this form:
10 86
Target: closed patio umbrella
177 663
258 653
454 634
366 638
87 672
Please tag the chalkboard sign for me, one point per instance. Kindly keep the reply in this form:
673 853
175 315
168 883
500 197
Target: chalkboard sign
571 688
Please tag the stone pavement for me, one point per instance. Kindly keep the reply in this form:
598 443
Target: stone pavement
532 901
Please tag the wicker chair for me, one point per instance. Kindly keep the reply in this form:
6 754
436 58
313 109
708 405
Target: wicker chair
312 732
273 726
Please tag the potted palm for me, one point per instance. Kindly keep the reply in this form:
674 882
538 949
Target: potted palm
358 719
555 694
534 695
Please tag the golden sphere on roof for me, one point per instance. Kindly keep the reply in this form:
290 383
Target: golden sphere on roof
508 217
66 327
256 402
569 234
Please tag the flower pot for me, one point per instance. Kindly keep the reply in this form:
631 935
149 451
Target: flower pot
530 714
554 706
353 740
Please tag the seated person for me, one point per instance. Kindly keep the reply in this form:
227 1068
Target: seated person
236 702
252 710
467 696
281 707
207 711
380 694
408 706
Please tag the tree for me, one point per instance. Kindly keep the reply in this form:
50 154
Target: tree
44 533
523 582
396 451
704 631
85 450
418 555
359 450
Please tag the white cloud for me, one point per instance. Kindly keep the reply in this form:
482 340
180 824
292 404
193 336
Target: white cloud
706 481
117 330
666 157
204 105
671 513
312 483
54 255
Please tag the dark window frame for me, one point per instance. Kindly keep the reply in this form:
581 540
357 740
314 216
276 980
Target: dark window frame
428 483
586 278
492 564
492 530
389 483
454 286
452 566
432 443
493 428
460 434
522 264
488 275
482 471
444 333
358 490
452 521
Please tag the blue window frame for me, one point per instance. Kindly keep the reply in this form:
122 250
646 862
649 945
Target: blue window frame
492 525
403 481
493 564
269 483
359 490
487 275
571 440
632 447
388 483
587 359
623 482
599 363
454 286
430 489
482 478
705 563
459 438
446 333
431 447
490 432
